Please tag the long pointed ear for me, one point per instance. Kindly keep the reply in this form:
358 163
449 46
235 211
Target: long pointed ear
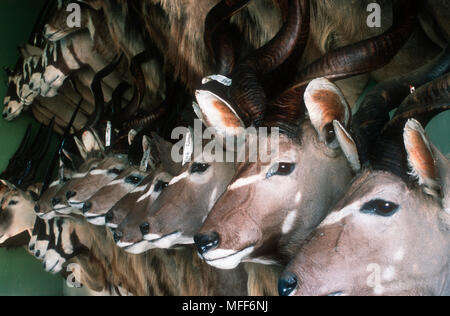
217 113
420 157
92 142
164 153
347 145
326 103
81 148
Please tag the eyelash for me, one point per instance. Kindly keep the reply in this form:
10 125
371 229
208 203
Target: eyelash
379 207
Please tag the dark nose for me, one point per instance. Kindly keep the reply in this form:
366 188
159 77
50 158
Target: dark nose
4 115
38 253
70 194
37 208
31 247
287 284
87 206
205 243
117 236
145 228
109 216
56 201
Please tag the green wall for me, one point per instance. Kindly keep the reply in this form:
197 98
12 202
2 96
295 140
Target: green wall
20 273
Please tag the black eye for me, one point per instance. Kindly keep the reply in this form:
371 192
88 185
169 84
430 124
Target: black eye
281 169
160 185
380 207
199 167
115 171
134 180
12 202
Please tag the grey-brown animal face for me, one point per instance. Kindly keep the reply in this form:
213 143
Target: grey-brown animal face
128 234
85 187
101 202
183 206
384 237
16 214
266 203
377 242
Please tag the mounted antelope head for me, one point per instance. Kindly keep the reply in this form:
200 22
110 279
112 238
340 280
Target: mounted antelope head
388 235
15 217
13 106
269 205
179 212
133 177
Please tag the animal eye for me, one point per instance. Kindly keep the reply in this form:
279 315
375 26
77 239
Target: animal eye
160 185
12 202
199 167
115 171
134 180
281 169
380 207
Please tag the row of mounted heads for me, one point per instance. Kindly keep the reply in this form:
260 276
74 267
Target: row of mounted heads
235 211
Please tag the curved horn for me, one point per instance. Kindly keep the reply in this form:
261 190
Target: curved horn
358 58
427 102
96 88
217 38
246 90
373 113
139 89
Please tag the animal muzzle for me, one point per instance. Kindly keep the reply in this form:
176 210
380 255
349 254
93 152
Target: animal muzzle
206 242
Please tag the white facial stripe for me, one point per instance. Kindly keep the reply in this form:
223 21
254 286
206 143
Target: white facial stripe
54 184
336 217
98 172
289 222
231 261
79 175
115 182
212 199
239 183
142 188
146 195
179 178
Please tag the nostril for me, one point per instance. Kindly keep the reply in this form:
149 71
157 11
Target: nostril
117 236
145 228
37 208
31 247
38 254
56 201
70 194
287 284
205 242
4 115
87 206
109 217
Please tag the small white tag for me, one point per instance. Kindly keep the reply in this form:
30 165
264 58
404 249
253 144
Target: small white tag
145 160
219 78
412 89
108 134
188 148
